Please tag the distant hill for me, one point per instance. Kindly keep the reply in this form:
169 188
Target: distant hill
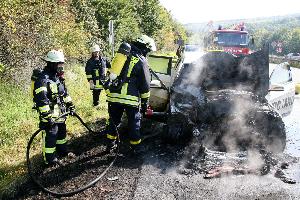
286 21
281 32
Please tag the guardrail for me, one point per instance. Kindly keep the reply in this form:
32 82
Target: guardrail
280 59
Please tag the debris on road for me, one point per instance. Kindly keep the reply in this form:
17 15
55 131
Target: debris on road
114 178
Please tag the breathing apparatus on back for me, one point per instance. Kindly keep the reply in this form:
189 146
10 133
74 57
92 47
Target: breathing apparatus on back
144 43
34 77
117 65
119 60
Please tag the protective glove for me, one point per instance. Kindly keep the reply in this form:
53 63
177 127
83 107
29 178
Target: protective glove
144 106
50 122
92 86
70 108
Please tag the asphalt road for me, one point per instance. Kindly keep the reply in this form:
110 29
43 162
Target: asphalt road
293 129
160 181
292 122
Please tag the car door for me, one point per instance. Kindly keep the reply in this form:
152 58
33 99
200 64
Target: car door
161 81
281 89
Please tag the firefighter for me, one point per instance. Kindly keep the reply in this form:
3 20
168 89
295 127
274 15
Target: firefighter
131 95
51 100
95 72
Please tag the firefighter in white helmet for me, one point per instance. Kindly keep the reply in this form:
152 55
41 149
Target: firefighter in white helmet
51 100
131 94
95 71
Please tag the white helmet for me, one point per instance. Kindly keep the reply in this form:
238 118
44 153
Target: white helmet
148 41
95 48
55 56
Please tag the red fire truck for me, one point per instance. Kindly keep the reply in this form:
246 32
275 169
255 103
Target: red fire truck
235 40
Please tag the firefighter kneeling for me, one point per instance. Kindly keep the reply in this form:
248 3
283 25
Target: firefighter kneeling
51 100
131 93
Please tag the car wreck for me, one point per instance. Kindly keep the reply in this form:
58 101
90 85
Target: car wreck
220 98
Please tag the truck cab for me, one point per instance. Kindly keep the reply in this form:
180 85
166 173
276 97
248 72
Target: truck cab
234 41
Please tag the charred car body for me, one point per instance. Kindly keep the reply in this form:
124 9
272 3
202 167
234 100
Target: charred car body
220 99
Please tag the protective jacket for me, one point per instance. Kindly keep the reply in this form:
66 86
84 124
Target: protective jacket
95 71
135 81
50 96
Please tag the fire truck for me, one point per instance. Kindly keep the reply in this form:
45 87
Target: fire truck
235 40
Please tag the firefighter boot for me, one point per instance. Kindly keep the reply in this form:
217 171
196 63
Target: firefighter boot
138 149
111 145
68 154
55 162
64 151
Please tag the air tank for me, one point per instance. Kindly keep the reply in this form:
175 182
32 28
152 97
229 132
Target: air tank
119 60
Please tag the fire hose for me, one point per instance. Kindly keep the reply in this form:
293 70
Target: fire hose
88 185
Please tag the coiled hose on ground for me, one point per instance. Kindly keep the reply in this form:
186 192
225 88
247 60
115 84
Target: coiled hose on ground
61 194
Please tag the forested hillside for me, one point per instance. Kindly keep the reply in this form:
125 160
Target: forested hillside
28 29
281 32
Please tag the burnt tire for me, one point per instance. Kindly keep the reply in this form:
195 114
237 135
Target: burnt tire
263 129
239 121
272 129
177 129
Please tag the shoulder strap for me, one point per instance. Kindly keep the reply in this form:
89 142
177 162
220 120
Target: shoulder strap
132 63
103 62
125 68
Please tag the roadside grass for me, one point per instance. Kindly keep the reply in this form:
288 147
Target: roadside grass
18 122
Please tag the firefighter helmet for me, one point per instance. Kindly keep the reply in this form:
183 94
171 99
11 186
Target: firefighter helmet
55 56
147 41
95 48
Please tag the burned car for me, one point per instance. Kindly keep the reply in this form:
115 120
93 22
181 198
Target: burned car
220 98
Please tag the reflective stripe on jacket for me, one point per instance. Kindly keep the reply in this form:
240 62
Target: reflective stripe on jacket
50 96
96 70
136 84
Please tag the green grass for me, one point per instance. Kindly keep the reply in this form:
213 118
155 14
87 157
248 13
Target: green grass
18 121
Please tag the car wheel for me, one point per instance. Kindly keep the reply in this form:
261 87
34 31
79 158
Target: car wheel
177 130
272 130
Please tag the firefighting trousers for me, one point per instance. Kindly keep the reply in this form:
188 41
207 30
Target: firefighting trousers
96 95
54 141
115 111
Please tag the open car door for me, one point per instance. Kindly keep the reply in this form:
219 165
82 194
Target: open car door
161 80
282 89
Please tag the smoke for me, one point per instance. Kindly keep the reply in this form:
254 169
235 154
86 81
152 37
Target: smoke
220 94
239 129
212 73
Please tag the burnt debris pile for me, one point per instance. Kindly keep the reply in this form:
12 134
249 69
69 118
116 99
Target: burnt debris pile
217 164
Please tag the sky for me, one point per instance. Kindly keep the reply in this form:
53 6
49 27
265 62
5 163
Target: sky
193 11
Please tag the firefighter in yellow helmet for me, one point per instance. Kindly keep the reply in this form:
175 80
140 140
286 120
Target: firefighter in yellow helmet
51 100
95 72
131 93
